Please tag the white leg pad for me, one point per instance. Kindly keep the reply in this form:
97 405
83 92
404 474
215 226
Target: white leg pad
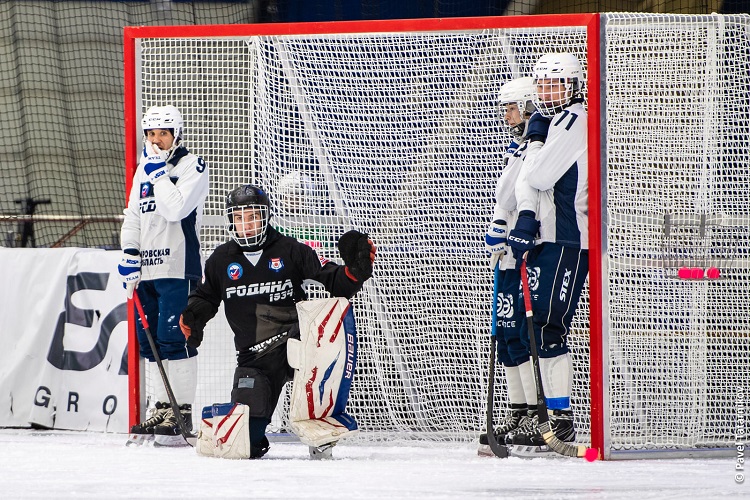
324 360
557 376
224 431
320 431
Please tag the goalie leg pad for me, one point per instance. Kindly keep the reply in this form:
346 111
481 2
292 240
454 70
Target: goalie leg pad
322 431
224 431
253 388
324 359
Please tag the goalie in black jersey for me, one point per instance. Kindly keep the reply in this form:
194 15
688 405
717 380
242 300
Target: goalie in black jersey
259 276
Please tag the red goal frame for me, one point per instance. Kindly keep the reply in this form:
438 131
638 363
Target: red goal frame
591 22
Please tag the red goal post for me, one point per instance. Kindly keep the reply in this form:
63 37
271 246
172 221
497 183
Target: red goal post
391 127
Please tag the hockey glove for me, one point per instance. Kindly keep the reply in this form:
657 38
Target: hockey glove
521 238
537 128
130 270
156 165
496 242
191 329
358 253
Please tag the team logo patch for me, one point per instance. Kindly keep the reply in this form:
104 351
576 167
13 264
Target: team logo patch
145 190
323 260
276 264
234 271
533 273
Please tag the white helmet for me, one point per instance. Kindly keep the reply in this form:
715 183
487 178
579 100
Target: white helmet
163 117
296 192
520 92
562 66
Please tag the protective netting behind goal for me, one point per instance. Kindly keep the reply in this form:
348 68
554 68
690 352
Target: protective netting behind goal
678 141
397 134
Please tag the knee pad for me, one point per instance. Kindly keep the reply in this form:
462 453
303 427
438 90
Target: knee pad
253 388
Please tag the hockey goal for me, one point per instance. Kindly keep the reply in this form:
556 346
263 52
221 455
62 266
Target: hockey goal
392 128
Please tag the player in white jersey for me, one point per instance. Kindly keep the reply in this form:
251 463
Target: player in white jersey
516 107
552 195
161 258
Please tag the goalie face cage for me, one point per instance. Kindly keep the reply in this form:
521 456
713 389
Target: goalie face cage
394 125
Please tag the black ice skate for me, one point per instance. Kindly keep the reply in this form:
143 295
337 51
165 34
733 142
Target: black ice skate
167 433
509 424
144 432
527 442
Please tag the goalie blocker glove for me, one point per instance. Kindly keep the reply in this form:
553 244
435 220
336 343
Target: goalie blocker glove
521 238
358 253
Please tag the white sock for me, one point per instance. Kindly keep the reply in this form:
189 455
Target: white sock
526 371
515 387
155 382
183 377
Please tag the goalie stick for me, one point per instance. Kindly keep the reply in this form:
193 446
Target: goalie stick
545 426
500 450
189 439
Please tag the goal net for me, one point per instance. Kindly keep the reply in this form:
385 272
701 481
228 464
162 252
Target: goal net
392 128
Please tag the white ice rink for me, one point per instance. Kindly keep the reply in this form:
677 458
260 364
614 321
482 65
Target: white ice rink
60 464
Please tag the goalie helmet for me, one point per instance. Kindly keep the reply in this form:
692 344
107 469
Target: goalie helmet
563 67
520 92
251 203
163 117
295 192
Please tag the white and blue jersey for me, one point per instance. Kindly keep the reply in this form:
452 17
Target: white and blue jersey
162 222
505 196
554 184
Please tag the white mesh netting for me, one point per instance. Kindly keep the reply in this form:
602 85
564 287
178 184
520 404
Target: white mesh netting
397 135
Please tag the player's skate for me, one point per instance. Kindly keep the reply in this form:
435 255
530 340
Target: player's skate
257 451
509 424
324 452
528 441
144 432
168 433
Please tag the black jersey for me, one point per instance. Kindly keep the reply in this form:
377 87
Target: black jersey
259 299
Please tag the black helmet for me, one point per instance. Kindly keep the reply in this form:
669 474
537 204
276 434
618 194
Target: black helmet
248 199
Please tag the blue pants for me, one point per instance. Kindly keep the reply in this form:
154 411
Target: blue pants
556 278
163 301
510 348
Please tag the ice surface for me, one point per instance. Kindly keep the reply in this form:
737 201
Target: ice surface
68 464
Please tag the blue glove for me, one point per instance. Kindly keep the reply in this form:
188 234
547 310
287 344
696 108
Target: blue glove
521 238
496 242
130 270
495 238
537 128
156 165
